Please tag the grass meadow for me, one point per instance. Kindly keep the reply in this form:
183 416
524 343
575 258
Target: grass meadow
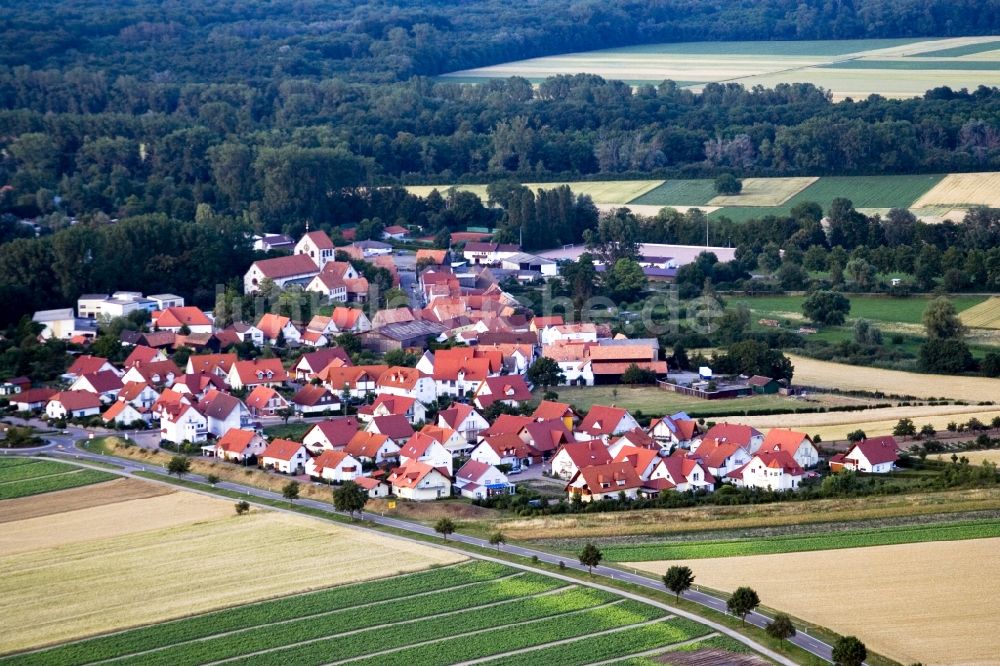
23 477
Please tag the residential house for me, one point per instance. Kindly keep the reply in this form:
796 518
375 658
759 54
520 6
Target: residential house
393 426
211 364
676 430
350 320
479 480
259 371
395 232
424 448
278 329
123 413
244 332
582 332
796 444
238 445
104 384
458 372
313 399
156 373
73 404
720 457
419 481
507 424
643 461
265 401
372 447
771 470
88 365
334 466
608 481
331 435
876 455
143 354
310 364
573 456
176 319
545 437
638 438
375 488
450 439
609 361
386 404
317 246
604 422
680 473
464 419
182 422
32 399
281 271
357 381
508 389
140 395
548 410
285 456
223 412
746 436
574 361
329 285
409 382
504 449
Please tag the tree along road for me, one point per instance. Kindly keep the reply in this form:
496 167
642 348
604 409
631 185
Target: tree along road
63 445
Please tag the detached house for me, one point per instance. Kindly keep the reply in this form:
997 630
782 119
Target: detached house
676 430
770 470
505 449
607 481
350 320
393 426
464 419
218 365
877 455
311 399
643 461
796 444
334 466
386 405
419 481
548 410
508 389
477 480
105 385
138 394
282 271
87 365
424 448
124 414
175 319
310 364
409 382
239 445
604 422
224 412
720 457
276 327
370 447
333 434
156 373
259 371
285 456
450 439
70 404
574 456
265 401
680 473
181 422
746 436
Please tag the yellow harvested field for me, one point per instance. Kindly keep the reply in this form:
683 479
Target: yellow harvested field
69 586
810 372
601 191
836 425
119 490
933 603
975 457
765 192
964 189
984 315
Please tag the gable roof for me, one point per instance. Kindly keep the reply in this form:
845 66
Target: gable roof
337 432
211 362
311 395
132 390
345 317
546 435
639 458
329 458
547 409
141 354
417 446
472 471
86 364
732 432
281 449
286 267
104 381
365 444
394 426
507 444
507 423
176 317
219 405
235 440
400 377
318 360
504 387
456 414
679 468
715 452
602 420
261 395
877 450
780 439
74 400
320 240
248 370
586 454
271 325
395 404
161 369
608 478
411 474
116 409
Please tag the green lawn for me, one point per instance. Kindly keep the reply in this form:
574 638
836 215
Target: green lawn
650 400
875 308
294 431
470 611
793 544
21 477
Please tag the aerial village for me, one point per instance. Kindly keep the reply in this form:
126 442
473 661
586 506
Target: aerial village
461 418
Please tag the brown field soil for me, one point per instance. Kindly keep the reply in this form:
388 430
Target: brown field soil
810 372
694 519
66 588
224 470
765 191
836 425
432 511
103 521
924 602
109 492
958 189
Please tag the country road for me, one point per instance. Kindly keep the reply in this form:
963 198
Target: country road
64 445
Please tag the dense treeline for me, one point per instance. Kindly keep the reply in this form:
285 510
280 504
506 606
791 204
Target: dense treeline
213 40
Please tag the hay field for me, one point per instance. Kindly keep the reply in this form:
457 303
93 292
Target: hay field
975 457
109 492
765 192
836 425
72 584
810 372
984 315
964 189
601 191
926 602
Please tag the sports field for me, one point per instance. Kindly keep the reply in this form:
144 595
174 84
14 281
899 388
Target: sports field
810 372
847 68
984 315
22 477
923 602
474 611
127 562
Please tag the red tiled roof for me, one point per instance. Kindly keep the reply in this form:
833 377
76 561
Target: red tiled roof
338 432
281 449
365 444
33 395
504 387
320 240
73 400
587 454
609 478
212 362
181 316
104 381
286 267
260 396
602 420
732 432
548 409
248 371
780 439
236 440
85 365
394 426
456 414
141 354
329 458
877 450
410 475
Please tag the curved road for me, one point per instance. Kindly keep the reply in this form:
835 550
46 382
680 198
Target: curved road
64 445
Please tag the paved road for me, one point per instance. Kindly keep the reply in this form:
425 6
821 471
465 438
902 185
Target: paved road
63 445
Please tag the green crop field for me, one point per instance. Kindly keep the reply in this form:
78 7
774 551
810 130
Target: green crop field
468 611
697 192
652 401
817 47
794 544
875 308
945 65
21 477
958 51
